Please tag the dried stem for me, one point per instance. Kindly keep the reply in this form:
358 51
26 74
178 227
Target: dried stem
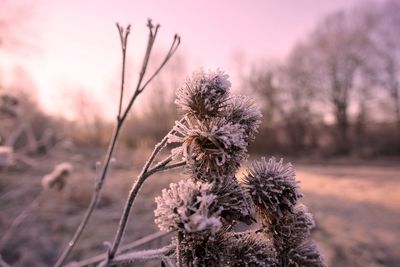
120 121
178 251
140 242
151 254
146 172
124 42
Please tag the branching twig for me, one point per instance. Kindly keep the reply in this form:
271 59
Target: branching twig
146 172
140 242
140 255
120 120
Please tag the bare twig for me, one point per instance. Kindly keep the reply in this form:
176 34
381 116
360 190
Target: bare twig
146 172
94 200
120 120
123 34
178 251
140 242
151 254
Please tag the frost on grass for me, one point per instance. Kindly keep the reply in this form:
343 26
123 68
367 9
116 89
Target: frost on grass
212 138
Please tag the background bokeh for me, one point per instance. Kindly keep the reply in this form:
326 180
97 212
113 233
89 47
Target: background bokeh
326 75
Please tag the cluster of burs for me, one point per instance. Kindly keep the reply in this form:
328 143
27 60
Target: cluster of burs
224 215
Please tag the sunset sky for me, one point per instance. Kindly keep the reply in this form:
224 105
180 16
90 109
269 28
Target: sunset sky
74 43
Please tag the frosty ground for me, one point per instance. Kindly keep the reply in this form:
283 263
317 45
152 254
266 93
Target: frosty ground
356 206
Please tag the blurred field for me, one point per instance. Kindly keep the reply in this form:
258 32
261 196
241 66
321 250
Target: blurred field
356 208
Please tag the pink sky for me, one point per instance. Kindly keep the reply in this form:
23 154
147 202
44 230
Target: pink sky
77 43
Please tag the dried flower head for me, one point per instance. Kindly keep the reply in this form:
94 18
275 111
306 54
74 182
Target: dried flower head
305 254
272 186
211 148
250 249
292 228
188 206
241 109
57 178
204 94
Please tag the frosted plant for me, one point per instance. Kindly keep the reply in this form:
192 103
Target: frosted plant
213 140
206 210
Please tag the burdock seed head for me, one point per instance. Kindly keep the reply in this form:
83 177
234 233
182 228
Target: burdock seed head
291 229
272 186
212 148
204 94
189 207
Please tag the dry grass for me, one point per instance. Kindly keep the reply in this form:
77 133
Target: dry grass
356 208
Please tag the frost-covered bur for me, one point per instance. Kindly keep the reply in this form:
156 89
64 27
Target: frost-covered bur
189 207
274 191
57 178
272 186
212 148
204 94
228 249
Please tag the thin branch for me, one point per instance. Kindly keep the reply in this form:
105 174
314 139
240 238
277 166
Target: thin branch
178 250
124 42
120 120
171 52
131 257
136 187
140 242
94 200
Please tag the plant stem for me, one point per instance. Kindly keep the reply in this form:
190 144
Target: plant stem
146 172
140 242
151 254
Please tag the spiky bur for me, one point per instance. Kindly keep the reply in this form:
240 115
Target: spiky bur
204 94
195 206
212 148
272 186
291 229
189 207
228 249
